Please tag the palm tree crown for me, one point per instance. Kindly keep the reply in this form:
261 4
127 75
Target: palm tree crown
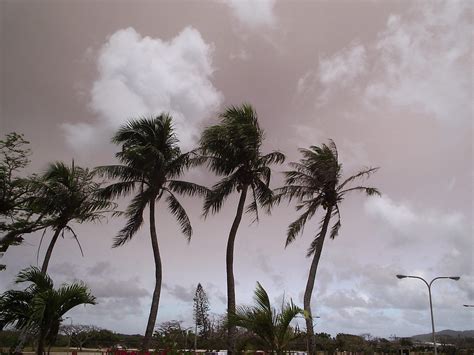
270 325
151 161
232 150
61 195
315 182
40 308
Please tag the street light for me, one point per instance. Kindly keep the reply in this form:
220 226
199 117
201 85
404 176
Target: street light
69 340
468 305
455 278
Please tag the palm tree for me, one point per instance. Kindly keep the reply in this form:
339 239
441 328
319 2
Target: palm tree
270 326
316 182
150 162
62 195
232 151
40 308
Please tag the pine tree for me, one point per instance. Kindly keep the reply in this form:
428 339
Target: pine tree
201 312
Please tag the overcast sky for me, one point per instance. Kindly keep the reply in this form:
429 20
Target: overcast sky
389 81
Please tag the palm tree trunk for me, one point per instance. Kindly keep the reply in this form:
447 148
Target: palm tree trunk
310 284
47 257
40 348
230 268
158 276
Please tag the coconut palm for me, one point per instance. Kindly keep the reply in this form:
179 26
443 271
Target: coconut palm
232 149
151 161
270 326
63 195
40 308
316 182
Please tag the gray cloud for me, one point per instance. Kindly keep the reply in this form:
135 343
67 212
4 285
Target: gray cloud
185 294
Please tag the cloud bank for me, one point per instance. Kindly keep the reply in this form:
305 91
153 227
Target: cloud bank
418 61
141 76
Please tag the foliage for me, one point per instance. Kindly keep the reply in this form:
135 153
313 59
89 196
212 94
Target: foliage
79 334
14 190
39 308
231 150
151 161
272 327
201 312
171 336
66 194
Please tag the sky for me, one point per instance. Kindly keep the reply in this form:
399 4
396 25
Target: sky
391 82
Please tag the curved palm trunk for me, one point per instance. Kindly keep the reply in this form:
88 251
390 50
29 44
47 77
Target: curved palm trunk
310 284
40 348
47 257
158 276
230 268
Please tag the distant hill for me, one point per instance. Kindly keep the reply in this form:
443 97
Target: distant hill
445 333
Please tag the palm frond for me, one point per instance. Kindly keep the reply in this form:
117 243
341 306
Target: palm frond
72 295
181 216
34 275
219 193
134 213
117 189
274 157
297 226
365 173
187 188
370 191
74 235
316 240
336 226
253 206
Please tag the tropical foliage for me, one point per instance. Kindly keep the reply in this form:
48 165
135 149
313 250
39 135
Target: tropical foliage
151 162
64 195
40 308
316 183
272 327
14 189
232 150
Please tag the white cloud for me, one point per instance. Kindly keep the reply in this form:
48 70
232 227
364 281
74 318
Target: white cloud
341 70
424 62
404 218
147 76
253 13
343 67
421 61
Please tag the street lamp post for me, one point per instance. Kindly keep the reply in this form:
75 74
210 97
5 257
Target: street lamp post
455 278
69 340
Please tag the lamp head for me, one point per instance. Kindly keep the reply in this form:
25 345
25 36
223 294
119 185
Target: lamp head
401 276
455 278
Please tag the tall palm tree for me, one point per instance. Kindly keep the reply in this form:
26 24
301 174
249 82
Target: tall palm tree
62 195
272 327
316 182
151 161
39 308
232 151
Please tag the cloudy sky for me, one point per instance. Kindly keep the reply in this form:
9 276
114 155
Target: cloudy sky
389 81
